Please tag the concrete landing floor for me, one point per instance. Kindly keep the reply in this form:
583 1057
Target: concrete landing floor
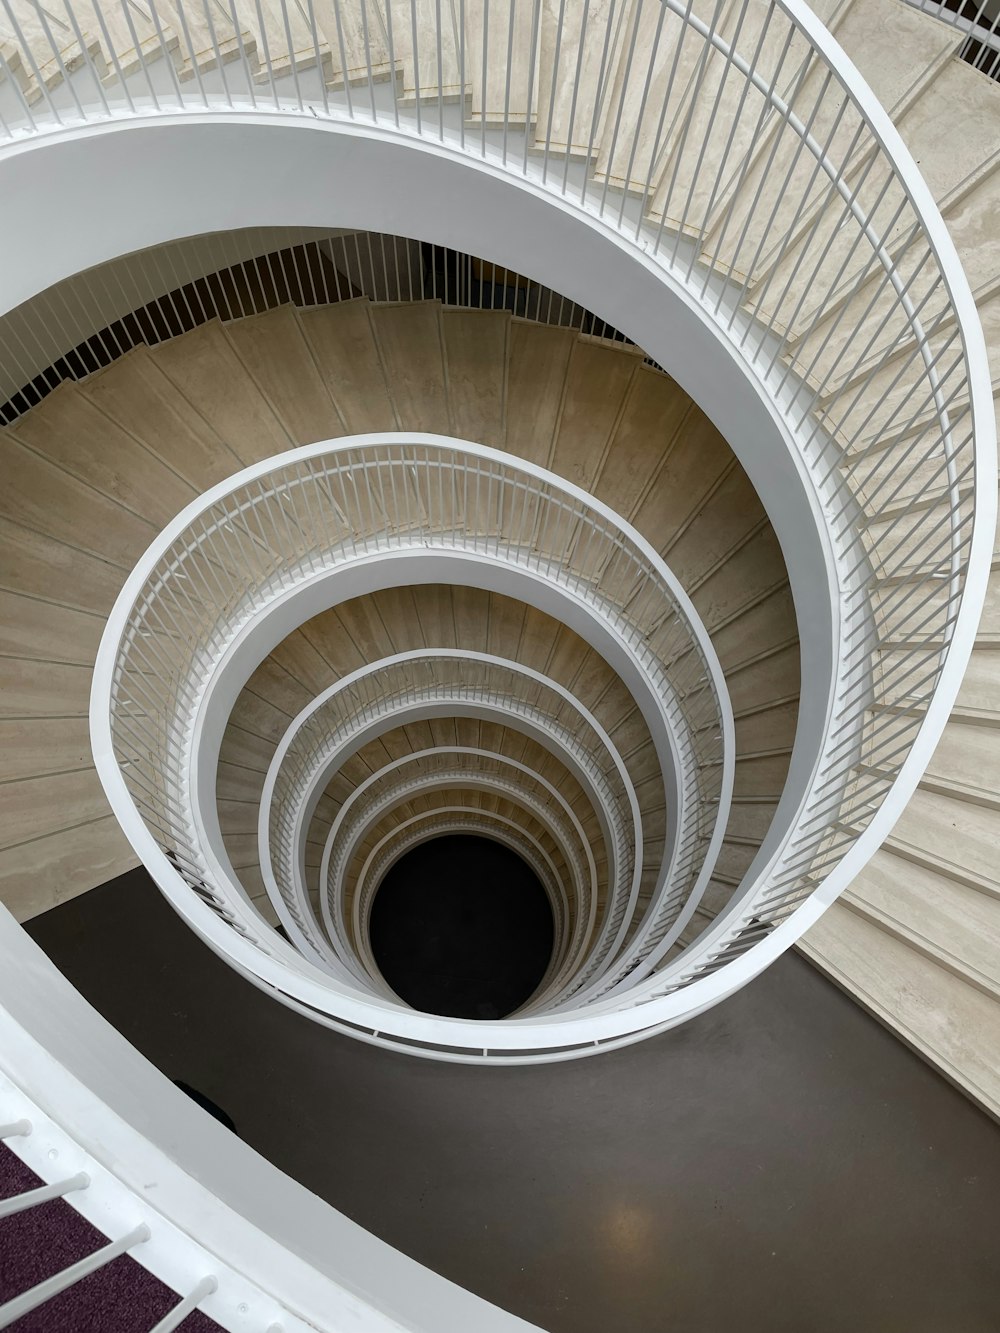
781 1164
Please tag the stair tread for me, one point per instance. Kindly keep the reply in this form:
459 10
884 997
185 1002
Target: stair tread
346 352
410 343
955 1025
274 353
205 370
476 349
70 431
953 924
957 837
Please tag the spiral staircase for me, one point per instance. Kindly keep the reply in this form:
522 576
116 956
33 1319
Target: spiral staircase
576 429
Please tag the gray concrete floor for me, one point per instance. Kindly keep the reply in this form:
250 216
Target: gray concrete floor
781 1163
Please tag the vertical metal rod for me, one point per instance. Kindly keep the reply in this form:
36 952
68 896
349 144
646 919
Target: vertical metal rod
44 1291
19 1203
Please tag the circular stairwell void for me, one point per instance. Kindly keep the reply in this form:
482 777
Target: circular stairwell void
460 926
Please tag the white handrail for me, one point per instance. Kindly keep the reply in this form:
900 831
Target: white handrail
332 725
878 257
459 762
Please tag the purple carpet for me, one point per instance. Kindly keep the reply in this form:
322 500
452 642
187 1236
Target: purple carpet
122 1297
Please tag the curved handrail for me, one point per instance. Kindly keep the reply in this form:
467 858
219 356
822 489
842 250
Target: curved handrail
861 237
458 760
384 695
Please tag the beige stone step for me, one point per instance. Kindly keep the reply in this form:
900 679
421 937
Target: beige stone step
283 38
134 393
411 347
893 407
35 565
755 627
133 39
43 496
42 49
954 1025
953 925
35 747
38 806
357 40
510 87
828 351
952 130
208 37
966 765
476 344
954 838
695 465
205 371
578 51
75 435
719 532
769 727
46 631
276 357
651 425
757 573
717 117
898 51
597 383
346 352
425 44
539 360
37 875
658 49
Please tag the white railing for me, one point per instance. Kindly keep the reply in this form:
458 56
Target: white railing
388 694
737 146
290 527
573 908
979 23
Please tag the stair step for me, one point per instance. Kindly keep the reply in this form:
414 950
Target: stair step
410 343
274 353
346 352
597 382
952 1024
510 88
42 495
951 130
35 876
205 371
898 51
966 765
70 431
425 43
954 838
955 926
282 38
476 350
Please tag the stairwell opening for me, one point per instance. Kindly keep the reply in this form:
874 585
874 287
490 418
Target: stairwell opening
461 926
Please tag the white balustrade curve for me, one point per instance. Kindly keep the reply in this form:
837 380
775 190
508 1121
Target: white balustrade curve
458 763
458 682
331 903
527 805
945 383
